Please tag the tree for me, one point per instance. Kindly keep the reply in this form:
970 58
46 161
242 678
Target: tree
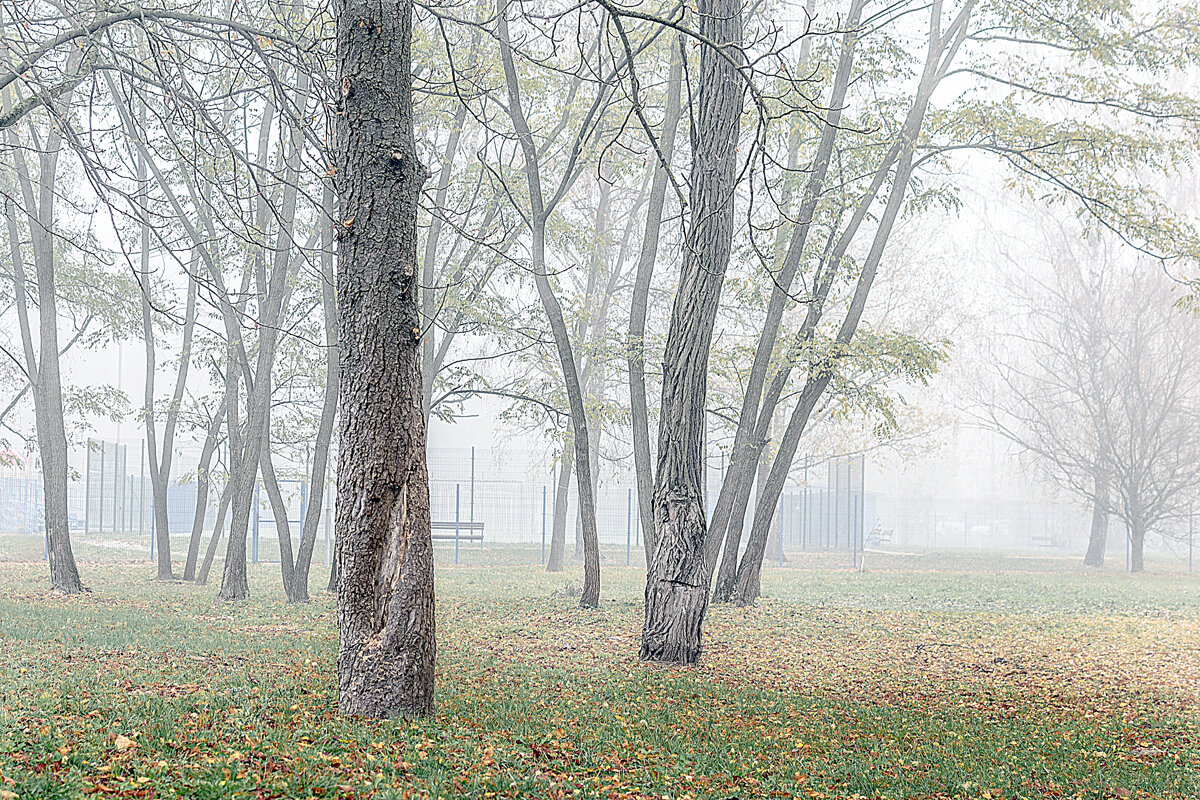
1104 394
678 579
385 552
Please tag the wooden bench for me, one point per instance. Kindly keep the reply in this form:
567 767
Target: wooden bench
467 531
1043 541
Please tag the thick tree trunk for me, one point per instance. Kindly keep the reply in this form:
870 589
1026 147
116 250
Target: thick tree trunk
203 481
387 645
678 578
558 530
1099 533
643 463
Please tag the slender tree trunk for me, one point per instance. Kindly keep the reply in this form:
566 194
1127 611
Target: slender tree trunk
279 510
749 439
316 492
558 529
1099 533
678 578
203 480
387 644
590 597
942 48
643 464
43 367
218 528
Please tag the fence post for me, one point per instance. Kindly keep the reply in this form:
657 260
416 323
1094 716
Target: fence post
1191 536
457 495
543 523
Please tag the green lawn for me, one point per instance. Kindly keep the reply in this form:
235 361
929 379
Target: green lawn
982 679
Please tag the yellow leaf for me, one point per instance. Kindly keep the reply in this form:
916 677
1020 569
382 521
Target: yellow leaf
124 742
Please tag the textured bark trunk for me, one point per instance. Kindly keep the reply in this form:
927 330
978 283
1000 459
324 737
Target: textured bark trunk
386 646
643 464
316 494
203 481
558 531
1099 534
678 578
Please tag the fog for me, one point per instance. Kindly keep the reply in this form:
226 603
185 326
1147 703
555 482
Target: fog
597 386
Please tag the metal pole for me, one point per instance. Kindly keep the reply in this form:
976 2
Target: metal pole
472 509
254 548
87 491
100 515
781 529
543 523
628 524
457 494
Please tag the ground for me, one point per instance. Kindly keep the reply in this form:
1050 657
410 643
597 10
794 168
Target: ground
983 678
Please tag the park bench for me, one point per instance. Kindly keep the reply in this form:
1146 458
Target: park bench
466 531
1043 541
880 537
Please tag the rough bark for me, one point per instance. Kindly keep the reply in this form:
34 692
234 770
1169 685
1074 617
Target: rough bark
1099 533
678 578
1137 546
386 645
643 464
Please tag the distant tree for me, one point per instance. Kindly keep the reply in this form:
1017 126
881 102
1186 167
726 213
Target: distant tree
1104 393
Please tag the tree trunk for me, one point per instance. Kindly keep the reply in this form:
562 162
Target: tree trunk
753 422
1099 533
42 368
203 480
1137 543
387 644
316 491
558 530
643 464
279 511
677 581
218 529
941 52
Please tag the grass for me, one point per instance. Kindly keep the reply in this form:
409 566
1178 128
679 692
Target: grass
1042 681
